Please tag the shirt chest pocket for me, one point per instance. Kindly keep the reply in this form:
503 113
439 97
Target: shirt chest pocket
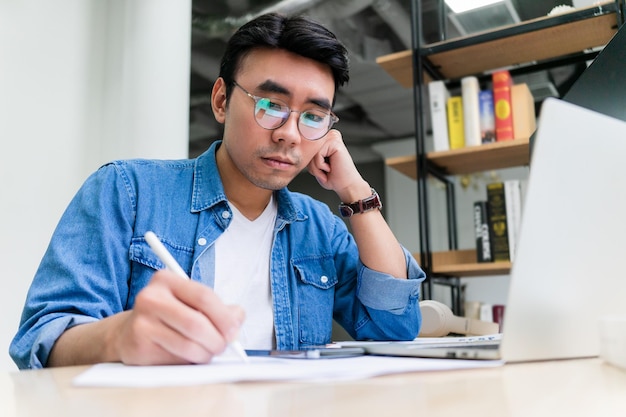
316 281
144 263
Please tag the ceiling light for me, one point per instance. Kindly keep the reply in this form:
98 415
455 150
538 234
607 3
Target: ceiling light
460 6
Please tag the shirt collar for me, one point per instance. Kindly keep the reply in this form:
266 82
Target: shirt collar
208 189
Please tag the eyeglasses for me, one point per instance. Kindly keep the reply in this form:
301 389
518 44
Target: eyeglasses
272 113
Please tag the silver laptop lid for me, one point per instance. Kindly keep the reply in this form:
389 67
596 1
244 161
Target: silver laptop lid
568 269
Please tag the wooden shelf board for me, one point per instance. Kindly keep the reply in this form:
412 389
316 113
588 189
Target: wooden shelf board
406 164
528 47
399 65
462 263
468 160
474 269
521 48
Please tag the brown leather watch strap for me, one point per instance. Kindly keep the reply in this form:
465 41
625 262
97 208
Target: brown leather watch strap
370 203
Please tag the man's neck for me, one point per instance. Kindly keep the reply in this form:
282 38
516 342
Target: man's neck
249 199
250 206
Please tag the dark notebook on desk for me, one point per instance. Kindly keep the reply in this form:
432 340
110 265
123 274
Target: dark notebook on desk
568 268
602 86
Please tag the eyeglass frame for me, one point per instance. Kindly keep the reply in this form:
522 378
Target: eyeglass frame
333 117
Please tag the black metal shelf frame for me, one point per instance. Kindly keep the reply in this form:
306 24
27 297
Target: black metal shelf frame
520 28
424 168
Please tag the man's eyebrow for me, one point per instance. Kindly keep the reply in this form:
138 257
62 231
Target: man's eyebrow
270 86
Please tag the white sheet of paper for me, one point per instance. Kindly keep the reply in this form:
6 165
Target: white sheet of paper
224 369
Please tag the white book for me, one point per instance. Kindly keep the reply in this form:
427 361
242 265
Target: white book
486 312
438 95
513 202
470 91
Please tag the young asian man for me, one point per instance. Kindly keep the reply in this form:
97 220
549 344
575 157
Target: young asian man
267 265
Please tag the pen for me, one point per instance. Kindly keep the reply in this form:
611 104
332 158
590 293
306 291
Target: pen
171 264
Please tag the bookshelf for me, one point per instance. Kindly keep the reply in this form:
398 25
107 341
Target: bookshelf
528 46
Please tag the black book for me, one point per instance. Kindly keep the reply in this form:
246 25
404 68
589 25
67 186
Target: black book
498 221
483 235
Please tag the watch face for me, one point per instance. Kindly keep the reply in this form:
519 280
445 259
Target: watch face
345 211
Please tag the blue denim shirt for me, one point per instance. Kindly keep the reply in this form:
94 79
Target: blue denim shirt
98 260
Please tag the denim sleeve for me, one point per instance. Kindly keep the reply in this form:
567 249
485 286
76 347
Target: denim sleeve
83 275
371 305
392 303
383 292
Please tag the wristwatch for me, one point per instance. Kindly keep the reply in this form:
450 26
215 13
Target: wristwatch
370 203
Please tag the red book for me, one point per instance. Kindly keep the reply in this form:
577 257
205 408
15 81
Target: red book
498 315
502 104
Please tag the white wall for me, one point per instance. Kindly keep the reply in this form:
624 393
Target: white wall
81 82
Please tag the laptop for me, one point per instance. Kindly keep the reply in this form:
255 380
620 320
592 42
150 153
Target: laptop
568 270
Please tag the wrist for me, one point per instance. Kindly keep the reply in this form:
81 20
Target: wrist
112 349
355 192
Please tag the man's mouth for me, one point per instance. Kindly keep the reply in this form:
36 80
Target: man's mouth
279 162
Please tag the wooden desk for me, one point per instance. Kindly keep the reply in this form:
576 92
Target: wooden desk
586 387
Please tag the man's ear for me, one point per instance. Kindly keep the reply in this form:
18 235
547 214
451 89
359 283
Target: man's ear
218 100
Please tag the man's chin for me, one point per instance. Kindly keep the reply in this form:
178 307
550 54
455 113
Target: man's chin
274 183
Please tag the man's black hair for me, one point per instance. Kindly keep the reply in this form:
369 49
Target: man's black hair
297 34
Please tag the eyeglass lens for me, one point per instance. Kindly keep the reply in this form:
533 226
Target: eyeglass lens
271 114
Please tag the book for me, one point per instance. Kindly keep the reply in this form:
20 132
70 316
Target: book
486 312
523 109
471 309
498 221
487 117
502 83
481 231
455 122
498 315
438 95
470 91
513 202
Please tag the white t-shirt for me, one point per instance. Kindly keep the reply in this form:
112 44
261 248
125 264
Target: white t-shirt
242 274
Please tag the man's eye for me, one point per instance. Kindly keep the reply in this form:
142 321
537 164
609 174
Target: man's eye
313 119
270 108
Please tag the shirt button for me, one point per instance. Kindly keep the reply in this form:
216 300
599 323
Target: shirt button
226 214
202 241
324 279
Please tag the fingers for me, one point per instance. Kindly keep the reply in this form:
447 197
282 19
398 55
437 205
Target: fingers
320 165
223 321
319 169
333 166
149 342
320 172
178 321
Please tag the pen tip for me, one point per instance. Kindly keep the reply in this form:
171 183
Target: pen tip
236 346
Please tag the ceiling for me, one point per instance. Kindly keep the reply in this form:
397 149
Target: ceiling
372 107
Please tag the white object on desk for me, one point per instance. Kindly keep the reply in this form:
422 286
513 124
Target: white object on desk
224 369
613 339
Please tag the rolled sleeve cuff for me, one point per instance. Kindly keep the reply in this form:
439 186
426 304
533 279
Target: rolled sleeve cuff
382 291
47 337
